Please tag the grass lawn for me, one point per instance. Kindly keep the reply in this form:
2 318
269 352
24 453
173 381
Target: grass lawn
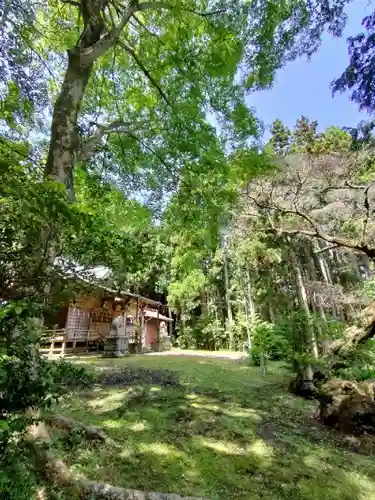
211 428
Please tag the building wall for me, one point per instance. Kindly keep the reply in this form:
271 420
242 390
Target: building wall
151 331
78 320
88 301
131 308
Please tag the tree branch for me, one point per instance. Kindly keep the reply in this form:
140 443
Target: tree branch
118 126
156 154
299 214
338 242
325 249
212 13
351 186
150 149
145 71
321 235
346 185
90 54
96 50
72 2
154 35
317 233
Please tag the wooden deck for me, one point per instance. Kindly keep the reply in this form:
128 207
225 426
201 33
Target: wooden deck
62 342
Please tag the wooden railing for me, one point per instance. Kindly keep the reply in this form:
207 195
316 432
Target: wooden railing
64 336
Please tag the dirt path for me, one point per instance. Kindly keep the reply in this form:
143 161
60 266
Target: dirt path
231 355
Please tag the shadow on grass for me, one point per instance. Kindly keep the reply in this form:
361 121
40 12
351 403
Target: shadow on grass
215 431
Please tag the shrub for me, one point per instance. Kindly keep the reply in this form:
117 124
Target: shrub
26 381
17 474
66 376
292 329
358 365
266 340
186 338
214 335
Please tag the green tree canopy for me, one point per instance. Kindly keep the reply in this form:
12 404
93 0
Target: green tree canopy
359 76
132 84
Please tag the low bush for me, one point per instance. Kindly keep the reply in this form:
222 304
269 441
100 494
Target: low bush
359 365
266 341
28 383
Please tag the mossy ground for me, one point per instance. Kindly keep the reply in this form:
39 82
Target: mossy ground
211 428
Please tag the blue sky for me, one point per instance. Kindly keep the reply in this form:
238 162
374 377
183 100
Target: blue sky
303 87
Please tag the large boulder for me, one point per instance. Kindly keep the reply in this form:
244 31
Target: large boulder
348 405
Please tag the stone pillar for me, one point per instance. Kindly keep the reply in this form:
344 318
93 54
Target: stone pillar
121 338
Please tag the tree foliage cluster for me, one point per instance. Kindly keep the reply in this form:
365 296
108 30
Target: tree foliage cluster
297 251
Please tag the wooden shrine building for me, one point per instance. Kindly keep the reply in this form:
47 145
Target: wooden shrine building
111 322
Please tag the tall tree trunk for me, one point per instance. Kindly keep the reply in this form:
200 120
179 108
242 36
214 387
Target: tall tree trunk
303 300
306 385
64 142
250 298
227 293
319 305
92 44
338 262
182 323
355 266
326 340
326 272
323 264
248 328
251 310
65 139
271 313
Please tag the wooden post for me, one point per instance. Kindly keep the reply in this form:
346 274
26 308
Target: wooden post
271 313
87 340
158 330
52 344
145 326
65 334
170 323
141 333
126 340
137 326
